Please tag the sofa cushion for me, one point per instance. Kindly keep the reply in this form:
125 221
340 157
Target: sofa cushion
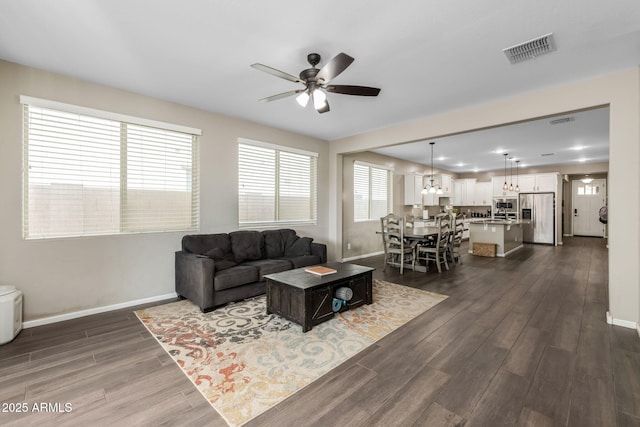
246 245
270 266
201 243
235 276
305 260
298 246
275 242
222 260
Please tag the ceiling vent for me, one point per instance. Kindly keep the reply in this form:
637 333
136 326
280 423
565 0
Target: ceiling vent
562 120
531 49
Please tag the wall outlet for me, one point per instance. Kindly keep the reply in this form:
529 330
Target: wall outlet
348 246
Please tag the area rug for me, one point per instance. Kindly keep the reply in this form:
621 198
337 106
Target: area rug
244 361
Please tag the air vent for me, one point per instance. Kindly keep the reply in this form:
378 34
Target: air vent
562 120
548 154
531 49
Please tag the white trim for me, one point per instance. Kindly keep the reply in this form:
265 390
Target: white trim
97 310
276 147
70 108
353 258
624 323
373 165
638 329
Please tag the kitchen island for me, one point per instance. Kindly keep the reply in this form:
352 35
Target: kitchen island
506 234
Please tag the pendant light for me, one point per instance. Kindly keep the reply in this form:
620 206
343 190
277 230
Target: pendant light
505 187
430 188
511 173
586 179
517 178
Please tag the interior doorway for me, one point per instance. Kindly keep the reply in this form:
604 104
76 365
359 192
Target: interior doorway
587 200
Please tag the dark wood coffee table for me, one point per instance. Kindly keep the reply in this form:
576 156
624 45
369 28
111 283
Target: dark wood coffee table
306 298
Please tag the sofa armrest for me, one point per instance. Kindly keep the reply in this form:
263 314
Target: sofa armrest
194 278
319 249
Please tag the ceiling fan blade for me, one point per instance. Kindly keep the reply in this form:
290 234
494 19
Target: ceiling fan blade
281 95
353 90
335 66
277 73
324 108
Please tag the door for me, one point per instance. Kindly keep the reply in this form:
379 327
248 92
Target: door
544 218
587 200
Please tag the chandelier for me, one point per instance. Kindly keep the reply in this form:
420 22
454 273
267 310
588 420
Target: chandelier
431 188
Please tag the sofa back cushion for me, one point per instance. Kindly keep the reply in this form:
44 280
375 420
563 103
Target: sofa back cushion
298 246
246 245
275 242
202 243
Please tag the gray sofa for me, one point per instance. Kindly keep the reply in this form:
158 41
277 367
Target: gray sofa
214 269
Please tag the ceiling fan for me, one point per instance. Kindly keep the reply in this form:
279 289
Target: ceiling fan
316 81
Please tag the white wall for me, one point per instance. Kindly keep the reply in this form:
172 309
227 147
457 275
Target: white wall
67 275
621 91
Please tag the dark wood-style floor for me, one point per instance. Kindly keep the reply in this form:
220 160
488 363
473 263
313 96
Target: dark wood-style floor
520 341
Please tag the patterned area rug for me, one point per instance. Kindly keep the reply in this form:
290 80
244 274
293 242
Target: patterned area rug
245 361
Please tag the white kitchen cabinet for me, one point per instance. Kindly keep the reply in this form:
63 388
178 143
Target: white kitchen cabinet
469 192
527 183
413 189
547 182
536 183
458 192
446 183
464 194
483 194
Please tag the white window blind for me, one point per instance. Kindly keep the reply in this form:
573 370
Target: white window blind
277 185
86 175
371 192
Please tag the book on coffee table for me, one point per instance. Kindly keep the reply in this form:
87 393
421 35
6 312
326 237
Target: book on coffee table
320 270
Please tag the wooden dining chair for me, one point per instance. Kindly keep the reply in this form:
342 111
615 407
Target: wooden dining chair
437 253
397 251
457 230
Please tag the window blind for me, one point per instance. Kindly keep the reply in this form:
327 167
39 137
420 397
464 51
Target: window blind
371 191
86 175
276 186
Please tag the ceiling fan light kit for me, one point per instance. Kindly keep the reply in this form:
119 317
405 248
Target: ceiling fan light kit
316 82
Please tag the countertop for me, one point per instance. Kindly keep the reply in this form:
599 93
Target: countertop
497 221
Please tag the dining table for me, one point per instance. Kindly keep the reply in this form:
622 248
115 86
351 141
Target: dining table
417 235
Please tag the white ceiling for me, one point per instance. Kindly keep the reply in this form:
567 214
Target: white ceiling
428 57
536 143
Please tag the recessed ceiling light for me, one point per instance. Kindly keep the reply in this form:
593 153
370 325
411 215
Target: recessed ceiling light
441 158
578 147
460 164
582 160
476 170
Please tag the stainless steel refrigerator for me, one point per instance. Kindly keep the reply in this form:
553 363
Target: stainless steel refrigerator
538 216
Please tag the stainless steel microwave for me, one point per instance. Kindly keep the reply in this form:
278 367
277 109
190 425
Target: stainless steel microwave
505 204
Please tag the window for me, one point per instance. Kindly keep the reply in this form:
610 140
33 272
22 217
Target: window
371 191
276 185
88 172
588 190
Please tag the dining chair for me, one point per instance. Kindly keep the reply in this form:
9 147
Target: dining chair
457 230
438 252
397 251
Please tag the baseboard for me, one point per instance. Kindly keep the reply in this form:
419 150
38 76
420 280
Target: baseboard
624 323
568 235
353 258
97 310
